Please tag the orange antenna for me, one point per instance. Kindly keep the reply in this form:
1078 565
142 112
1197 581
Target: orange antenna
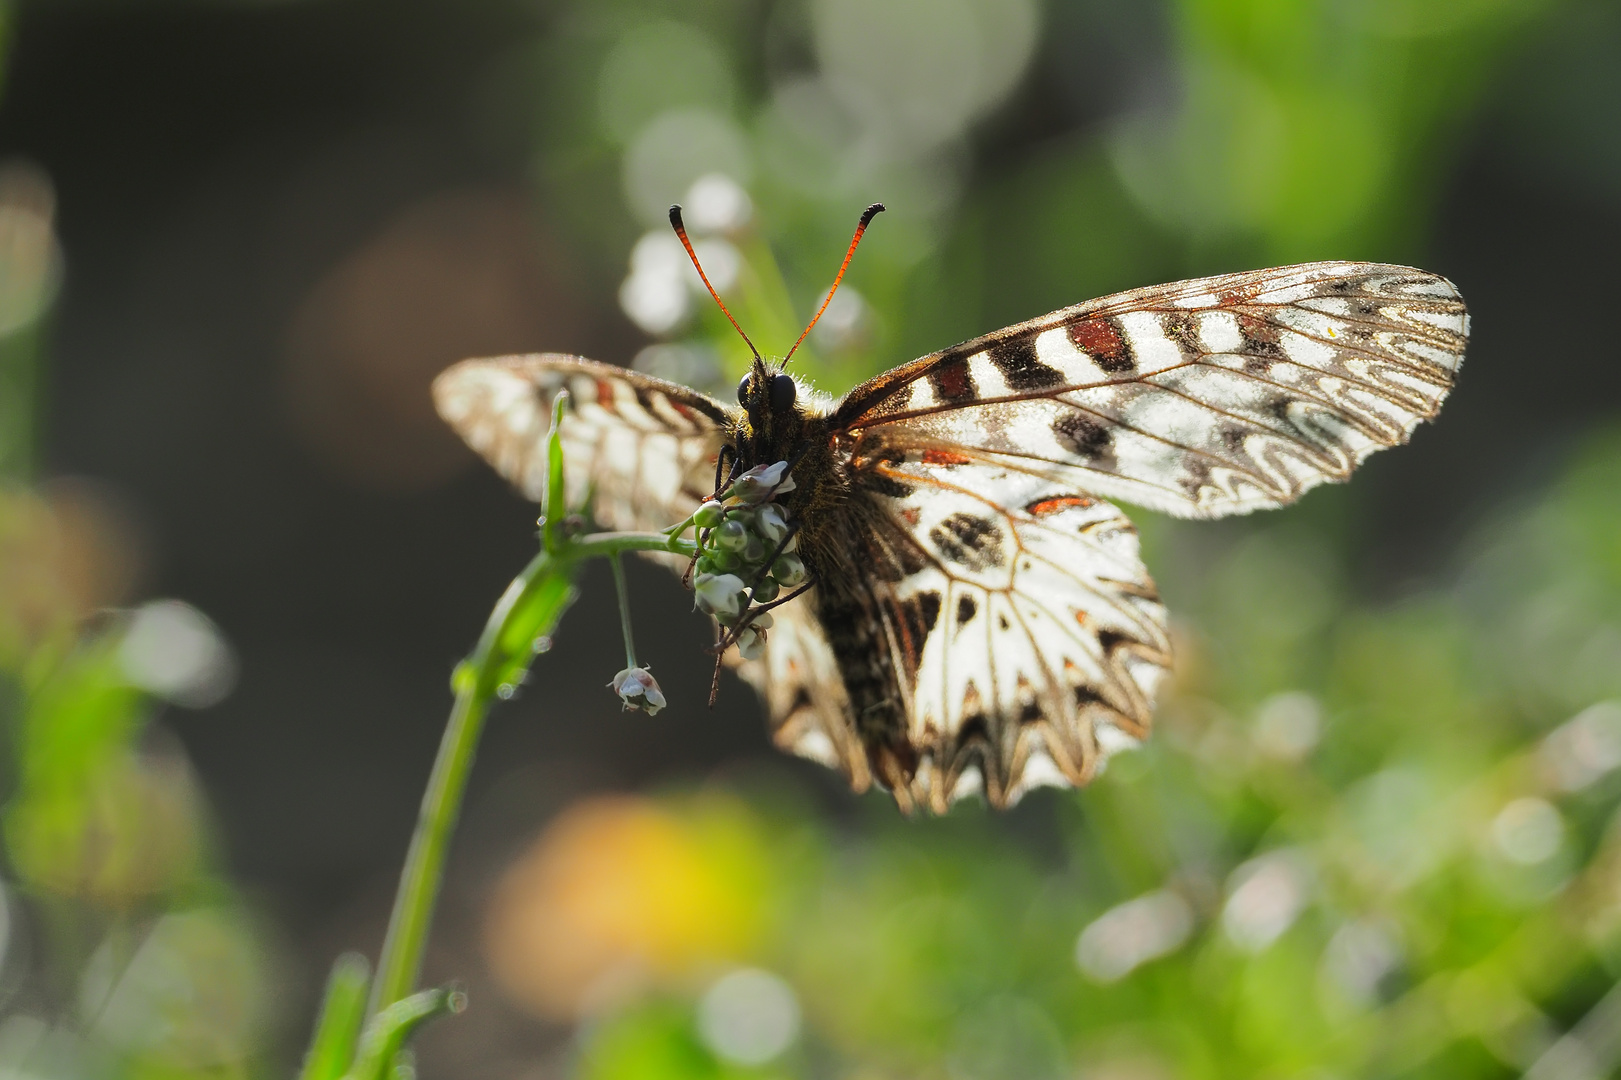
681 231
866 219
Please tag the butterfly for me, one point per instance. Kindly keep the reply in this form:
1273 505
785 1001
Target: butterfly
980 619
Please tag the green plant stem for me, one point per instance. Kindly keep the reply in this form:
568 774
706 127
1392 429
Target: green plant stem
526 614
414 904
624 609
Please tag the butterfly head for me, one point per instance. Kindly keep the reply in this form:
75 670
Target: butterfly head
765 393
774 403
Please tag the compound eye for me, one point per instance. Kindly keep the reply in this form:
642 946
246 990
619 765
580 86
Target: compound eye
782 392
743 390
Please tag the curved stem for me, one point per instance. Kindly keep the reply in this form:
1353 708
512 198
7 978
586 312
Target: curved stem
477 679
526 614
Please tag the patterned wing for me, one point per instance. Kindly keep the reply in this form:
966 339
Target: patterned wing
1201 399
1002 633
799 680
642 448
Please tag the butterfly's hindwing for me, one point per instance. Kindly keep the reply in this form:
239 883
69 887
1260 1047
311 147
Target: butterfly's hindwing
642 449
1001 633
1201 399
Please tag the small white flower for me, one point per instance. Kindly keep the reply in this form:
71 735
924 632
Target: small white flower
771 523
763 482
720 595
638 689
751 642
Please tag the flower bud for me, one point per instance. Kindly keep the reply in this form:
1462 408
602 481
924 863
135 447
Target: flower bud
638 689
720 595
731 535
708 515
722 562
763 482
754 549
789 571
765 592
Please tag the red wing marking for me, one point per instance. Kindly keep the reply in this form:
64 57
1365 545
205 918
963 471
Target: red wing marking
1097 337
1047 507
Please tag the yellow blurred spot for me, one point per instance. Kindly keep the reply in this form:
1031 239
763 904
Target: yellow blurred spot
620 893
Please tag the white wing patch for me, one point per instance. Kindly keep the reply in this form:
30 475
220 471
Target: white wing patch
641 448
1200 399
1045 637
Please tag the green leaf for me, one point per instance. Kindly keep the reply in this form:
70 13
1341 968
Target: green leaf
342 1011
389 1030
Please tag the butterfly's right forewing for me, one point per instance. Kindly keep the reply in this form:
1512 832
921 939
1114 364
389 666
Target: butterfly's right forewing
1199 398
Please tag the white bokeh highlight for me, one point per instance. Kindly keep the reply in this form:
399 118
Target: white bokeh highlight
717 203
1585 748
1528 831
175 652
748 1017
1288 725
1264 898
1129 935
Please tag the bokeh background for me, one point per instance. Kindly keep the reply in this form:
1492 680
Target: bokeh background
1375 834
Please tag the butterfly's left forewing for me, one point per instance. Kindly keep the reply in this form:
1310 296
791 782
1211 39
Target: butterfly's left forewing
642 449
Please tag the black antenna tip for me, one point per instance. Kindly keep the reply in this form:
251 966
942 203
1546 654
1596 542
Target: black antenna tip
871 212
675 215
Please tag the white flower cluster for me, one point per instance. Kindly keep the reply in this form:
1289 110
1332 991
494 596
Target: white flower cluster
747 538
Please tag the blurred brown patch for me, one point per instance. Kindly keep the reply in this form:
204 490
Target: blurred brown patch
66 551
461 274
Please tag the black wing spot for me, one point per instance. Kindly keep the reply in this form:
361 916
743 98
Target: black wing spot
1181 327
928 606
1088 695
1016 359
1030 712
966 607
1085 437
975 542
975 728
1001 622
1196 476
886 485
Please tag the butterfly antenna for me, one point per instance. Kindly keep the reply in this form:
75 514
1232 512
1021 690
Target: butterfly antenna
681 231
866 219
